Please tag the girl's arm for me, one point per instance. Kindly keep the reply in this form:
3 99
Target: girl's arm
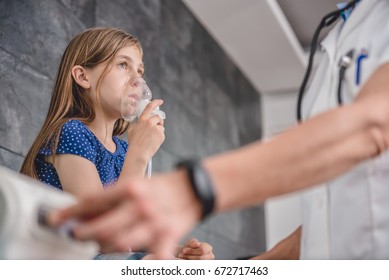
77 175
144 139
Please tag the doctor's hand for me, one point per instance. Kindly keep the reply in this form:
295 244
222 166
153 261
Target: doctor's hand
196 250
286 249
153 213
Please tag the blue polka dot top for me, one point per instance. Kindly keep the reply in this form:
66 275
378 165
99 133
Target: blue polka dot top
77 139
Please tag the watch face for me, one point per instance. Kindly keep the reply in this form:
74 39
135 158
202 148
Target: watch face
201 185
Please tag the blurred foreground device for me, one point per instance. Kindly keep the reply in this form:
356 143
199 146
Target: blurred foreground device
24 203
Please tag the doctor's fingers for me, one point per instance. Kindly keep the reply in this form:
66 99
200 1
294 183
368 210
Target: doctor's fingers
99 203
132 238
150 234
165 241
107 228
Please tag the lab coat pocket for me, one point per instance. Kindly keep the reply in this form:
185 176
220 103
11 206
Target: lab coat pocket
366 68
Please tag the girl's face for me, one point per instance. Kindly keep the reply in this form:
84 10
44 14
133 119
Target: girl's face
118 82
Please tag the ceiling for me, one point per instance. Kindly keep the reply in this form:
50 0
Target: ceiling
267 39
304 16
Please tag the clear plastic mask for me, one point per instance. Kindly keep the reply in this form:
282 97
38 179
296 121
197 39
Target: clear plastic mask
134 91
135 98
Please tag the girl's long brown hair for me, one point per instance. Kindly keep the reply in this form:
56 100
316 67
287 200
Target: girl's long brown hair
69 101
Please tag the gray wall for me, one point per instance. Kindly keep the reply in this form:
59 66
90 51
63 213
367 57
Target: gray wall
210 105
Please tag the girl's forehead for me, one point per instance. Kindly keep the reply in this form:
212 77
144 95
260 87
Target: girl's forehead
132 52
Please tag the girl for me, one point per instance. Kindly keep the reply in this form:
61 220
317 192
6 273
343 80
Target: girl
77 149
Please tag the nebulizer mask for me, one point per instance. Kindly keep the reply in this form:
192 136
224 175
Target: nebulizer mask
136 96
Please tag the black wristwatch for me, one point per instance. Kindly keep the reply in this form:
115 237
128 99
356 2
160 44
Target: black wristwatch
201 185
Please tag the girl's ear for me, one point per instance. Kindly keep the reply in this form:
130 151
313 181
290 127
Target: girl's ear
80 77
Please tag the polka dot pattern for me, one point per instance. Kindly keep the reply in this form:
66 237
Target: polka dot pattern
77 139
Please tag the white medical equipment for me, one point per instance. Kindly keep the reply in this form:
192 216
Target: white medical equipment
23 231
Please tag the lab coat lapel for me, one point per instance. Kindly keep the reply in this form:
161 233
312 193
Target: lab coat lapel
329 42
357 16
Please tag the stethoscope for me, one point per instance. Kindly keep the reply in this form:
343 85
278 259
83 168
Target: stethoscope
344 63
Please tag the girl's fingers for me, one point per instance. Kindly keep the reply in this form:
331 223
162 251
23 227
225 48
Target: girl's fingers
151 107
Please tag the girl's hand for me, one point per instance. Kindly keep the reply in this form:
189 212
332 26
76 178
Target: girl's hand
147 135
196 250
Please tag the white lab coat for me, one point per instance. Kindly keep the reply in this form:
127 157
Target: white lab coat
348 217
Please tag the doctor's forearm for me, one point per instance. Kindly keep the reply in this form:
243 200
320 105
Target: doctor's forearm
317 150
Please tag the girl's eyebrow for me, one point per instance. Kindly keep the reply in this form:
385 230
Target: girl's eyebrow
130 60
125 57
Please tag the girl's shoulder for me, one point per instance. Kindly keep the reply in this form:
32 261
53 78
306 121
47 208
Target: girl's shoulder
74 138
75 132
74 124
75 128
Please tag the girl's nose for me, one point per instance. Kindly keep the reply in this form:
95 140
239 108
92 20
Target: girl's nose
137 82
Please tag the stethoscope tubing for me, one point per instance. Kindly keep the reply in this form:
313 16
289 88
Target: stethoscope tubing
326 21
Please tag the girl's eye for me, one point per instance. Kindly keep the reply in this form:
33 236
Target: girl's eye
123 65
